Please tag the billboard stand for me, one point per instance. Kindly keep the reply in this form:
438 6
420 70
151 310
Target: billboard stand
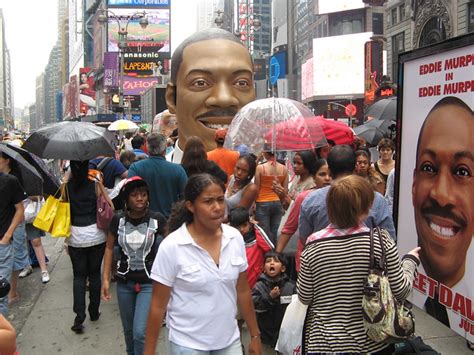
434 197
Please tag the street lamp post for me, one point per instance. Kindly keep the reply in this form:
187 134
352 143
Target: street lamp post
105 14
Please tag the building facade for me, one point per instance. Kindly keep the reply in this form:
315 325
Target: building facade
6 96
418 23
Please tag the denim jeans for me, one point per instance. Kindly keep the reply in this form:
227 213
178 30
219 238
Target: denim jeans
6 268
134 308
269 214
233 349
86 263
21 257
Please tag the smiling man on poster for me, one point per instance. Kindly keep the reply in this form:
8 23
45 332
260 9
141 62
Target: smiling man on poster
443 201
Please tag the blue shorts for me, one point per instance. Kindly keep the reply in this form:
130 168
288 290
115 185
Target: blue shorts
20 250
32 232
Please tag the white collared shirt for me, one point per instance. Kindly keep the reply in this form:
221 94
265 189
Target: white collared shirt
176 155
202 309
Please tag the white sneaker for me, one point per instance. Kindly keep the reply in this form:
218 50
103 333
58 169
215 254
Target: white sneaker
44 276
26 271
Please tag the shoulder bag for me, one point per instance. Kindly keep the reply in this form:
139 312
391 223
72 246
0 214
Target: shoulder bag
105 212
385 319
62 220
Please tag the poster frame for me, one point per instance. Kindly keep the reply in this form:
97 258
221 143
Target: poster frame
403 59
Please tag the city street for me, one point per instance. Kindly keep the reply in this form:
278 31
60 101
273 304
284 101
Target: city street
43 318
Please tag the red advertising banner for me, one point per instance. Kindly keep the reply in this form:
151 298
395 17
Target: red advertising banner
435 200
71 98
87 92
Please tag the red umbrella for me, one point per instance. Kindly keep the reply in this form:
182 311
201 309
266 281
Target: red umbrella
296 134
336 131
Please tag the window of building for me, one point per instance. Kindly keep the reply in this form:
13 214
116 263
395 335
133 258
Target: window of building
470 17
398 46
394 16
377 24
402 12
433 32
348 24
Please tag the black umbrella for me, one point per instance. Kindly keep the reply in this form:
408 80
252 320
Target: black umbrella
32 180
371 134
50 181
384 109
71 141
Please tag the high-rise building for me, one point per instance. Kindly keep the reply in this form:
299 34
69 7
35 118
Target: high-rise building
32 118
56 72
262 37
63 39
40 102
53 85
206 12
6 100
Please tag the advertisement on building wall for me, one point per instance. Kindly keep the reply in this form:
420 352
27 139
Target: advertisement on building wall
435 204
87 104
146 42
339 64
71 98
111 70
139 3
136 86
307 79
373 70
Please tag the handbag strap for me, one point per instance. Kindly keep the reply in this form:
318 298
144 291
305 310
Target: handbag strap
381 265
64 192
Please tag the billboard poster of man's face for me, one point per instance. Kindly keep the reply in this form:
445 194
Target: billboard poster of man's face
436 182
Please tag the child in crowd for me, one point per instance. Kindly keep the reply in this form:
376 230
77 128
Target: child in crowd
257 242
271 295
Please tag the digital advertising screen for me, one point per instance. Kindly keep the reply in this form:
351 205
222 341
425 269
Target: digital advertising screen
339 64
151 42
329 6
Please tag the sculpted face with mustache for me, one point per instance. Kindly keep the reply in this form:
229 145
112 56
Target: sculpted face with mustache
443 190
214 80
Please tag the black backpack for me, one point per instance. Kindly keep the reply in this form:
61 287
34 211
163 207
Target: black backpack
414 346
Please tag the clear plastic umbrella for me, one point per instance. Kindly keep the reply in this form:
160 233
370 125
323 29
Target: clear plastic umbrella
275 124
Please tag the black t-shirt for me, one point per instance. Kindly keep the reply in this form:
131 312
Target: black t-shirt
138 241
11 193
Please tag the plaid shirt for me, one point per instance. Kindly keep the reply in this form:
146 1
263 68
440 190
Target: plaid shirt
333 231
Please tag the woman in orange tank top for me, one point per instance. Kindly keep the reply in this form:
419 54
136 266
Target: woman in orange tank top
269 209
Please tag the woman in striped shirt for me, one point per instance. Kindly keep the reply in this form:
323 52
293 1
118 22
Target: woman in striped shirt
334 265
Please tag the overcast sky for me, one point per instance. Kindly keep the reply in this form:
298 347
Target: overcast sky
31 32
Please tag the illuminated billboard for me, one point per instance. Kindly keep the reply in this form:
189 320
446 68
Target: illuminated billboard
138 3
152 42
339 64
328 6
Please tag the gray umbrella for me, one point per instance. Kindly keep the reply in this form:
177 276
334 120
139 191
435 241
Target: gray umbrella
71 141
31 180
371 134
385 109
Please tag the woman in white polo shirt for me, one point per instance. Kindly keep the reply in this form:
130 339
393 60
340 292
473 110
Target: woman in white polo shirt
200 277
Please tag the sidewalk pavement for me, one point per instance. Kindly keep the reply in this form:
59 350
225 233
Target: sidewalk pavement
44 316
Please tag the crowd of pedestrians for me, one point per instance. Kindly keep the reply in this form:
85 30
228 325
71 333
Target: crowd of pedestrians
197 239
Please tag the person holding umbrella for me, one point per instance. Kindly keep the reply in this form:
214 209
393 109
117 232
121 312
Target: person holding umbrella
20 252
86 245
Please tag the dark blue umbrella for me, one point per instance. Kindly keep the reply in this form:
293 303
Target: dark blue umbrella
50 181
31 179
